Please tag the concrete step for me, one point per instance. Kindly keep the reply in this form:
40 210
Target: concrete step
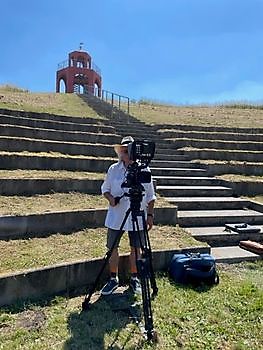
218 129
248 156
169 151
49 121
219 144
29 187
233 254
188 181
16 144
178 171
138 135
210 135
194 191
58 135
208 203
191 218
161 156
54 117
218 236
133 127
176 164
13 160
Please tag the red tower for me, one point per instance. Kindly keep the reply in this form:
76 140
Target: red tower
79 73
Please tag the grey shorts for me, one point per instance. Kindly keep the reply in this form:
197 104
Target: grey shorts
133 237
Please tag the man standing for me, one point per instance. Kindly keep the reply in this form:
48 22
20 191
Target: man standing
111 188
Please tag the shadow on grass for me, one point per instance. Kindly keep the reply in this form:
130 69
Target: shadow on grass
106 325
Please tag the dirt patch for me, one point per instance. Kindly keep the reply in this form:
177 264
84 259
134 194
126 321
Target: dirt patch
31 320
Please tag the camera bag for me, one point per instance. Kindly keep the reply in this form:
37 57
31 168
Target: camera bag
193 268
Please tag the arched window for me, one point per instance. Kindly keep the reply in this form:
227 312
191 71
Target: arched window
62 86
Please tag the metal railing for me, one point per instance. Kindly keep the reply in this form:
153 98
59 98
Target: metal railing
118 101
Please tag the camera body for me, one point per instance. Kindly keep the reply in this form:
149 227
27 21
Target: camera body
141 153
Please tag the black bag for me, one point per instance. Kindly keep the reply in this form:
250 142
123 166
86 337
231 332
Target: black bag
194 268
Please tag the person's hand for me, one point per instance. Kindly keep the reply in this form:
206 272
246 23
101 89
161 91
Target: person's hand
112 201
149 222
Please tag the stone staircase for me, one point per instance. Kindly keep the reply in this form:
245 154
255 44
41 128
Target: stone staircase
205 204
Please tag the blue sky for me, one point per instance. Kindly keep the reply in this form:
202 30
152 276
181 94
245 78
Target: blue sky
181 51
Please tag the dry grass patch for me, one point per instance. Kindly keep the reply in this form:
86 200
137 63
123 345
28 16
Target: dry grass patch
16 255
223 116
240 178
49 174
21 205
52 155
258 199
54 103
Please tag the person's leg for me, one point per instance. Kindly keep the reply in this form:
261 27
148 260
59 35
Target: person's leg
114 262
113 283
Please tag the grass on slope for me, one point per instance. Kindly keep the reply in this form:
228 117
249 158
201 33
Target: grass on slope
21 254
49 174
225 317
55 103
20 205
223 116
240 178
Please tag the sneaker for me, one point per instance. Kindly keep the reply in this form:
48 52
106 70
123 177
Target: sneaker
110 286
135 285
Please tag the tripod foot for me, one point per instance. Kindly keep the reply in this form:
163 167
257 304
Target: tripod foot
85 305
152 336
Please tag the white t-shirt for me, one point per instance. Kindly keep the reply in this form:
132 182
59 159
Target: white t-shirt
114 178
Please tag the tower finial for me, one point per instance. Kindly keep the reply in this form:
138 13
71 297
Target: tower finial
81 46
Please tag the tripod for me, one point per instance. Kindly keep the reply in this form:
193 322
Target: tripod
144 263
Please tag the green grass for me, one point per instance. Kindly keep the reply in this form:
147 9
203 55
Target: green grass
225 317
21 254
54 103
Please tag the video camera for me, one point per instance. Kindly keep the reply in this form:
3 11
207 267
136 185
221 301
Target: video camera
141 153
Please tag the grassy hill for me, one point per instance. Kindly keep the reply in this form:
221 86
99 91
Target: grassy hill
236 115
151 112
62 104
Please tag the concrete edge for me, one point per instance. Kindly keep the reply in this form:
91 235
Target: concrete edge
32 186
37 225
68 278
52 117
245 188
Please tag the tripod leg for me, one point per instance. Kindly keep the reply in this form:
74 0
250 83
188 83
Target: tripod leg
144 274
149 256
86 302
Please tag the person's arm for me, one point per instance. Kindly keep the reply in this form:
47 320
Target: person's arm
150 215
110 198
106 188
